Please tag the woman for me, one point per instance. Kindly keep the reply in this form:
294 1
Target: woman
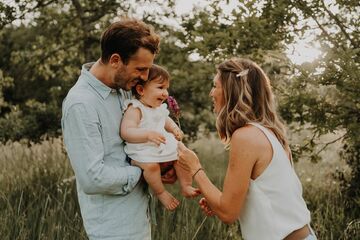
261 188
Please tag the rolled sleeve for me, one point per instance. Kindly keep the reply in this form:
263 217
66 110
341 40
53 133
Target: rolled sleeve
134 174
85 148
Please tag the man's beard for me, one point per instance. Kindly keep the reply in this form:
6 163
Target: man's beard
123 81
119 82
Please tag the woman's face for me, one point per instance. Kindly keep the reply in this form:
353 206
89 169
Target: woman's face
217 94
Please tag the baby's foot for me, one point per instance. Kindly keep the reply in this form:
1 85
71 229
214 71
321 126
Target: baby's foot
189 191
168 200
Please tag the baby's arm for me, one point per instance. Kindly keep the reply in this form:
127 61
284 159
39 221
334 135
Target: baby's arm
171 127
131 132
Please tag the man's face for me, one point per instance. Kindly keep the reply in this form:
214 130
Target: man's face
137 68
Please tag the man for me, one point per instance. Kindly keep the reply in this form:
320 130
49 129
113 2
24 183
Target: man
113 202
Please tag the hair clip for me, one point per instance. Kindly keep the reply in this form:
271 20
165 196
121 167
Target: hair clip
242 73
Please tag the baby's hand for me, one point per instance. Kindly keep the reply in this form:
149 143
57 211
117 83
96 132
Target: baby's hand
179 135
156 137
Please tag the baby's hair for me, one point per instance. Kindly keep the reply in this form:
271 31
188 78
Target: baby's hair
155 72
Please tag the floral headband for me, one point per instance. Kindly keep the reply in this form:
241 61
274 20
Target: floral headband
242 73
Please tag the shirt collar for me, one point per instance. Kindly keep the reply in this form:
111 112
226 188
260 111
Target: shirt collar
95 83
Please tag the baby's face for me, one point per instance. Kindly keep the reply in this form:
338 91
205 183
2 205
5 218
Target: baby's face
155 92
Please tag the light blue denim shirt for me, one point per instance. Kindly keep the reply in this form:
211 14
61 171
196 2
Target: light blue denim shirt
113 204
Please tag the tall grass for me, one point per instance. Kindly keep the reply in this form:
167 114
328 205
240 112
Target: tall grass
38 198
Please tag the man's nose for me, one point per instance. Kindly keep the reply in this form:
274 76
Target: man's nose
144 75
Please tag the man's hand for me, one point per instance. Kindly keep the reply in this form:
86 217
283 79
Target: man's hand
168 174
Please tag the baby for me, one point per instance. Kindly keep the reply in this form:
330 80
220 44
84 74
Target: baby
152 136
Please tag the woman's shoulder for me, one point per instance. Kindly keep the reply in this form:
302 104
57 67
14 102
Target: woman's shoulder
248 135
244 146
243 133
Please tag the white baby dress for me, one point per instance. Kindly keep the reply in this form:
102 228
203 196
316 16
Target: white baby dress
152 119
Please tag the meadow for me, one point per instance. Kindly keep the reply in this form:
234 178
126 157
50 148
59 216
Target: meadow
38 196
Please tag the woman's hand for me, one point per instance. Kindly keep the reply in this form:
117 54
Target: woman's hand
205 207
188 159
156 137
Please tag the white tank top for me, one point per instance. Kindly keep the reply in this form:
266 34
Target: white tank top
274 206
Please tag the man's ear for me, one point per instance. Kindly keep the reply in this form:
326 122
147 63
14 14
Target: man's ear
139 89
115 60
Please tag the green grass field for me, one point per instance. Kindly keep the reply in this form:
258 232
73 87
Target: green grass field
38 197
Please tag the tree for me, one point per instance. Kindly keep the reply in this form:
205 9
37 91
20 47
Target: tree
326 92
43 56
253 31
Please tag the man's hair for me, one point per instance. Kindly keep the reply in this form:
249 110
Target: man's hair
155 72
125 37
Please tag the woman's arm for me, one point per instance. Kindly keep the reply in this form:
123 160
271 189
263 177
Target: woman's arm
130 131
227 205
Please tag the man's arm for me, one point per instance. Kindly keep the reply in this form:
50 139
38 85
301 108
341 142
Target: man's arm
84 145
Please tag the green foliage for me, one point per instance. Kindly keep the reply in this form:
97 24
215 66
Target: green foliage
325 93
43 57
5 82
245 32
205 40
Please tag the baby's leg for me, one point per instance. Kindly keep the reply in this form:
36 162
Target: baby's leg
185 182
153 178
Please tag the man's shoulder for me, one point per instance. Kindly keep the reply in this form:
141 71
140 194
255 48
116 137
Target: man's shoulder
80 94
79 101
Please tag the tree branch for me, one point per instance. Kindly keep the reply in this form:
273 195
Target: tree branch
29 10
340 25
79 10
312 15
331 142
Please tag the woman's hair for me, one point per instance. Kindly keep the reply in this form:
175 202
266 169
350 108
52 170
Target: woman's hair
125 37
155 72
248 98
